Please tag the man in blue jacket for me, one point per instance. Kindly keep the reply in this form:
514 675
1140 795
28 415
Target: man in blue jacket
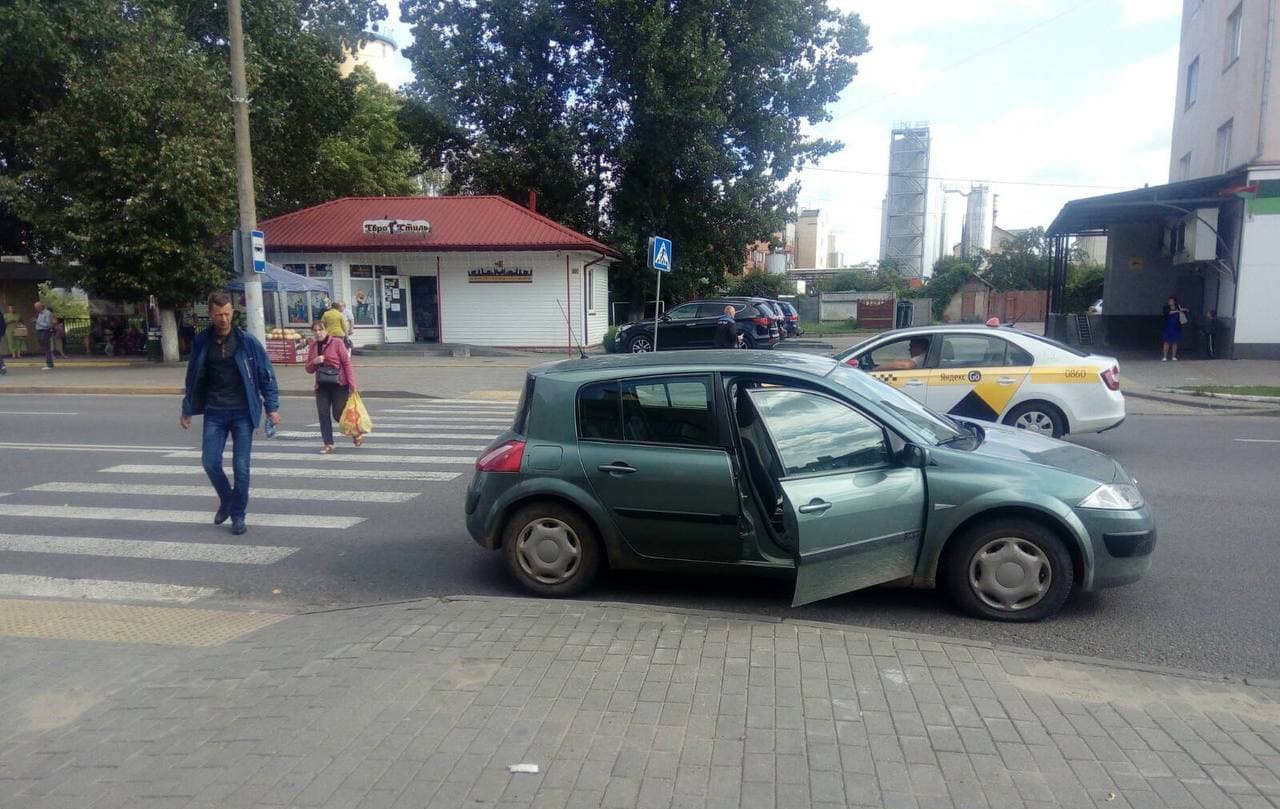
229 381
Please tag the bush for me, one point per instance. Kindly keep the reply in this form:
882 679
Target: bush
759 283
1083 286
611 340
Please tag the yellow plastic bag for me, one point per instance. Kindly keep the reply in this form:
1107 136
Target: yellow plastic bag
355 418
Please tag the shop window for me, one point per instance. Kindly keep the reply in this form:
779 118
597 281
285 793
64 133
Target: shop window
591 290
363 300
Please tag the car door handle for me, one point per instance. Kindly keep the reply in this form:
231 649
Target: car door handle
915 383
814 506
616 468
1006 380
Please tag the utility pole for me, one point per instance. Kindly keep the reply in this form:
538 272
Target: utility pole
244 176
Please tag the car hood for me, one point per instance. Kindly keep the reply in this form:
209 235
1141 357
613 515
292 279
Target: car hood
1012 444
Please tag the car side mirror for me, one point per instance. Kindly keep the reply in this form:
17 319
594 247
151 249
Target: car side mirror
665 318
914 456
865 363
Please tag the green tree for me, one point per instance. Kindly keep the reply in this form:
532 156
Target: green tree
1083 287
1023 263
635 118
759 283
368 156
949 274
129 180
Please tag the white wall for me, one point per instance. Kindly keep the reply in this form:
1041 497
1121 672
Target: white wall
1258 300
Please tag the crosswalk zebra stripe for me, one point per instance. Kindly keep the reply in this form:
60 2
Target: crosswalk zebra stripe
441 432
99 589
270 471
447 411
374 437
147 549
171 515
350 457
477 420
489 402
257 492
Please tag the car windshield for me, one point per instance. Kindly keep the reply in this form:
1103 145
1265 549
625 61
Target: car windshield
855 348
934 428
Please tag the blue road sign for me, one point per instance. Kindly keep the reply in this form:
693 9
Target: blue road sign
659 254
259 244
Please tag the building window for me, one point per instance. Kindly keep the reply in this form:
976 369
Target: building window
1234 30
1184 167
591 290
1193 81
1222 158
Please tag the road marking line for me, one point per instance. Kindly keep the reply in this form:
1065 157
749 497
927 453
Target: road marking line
490 402
1258 440
271 471
99 589
434 432
170 515
372 444
35 413
207 491
446 411
465 460
374 436
453 419
147 549
83 447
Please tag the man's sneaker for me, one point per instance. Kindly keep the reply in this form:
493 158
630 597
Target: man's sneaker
238 526
221 516
47 368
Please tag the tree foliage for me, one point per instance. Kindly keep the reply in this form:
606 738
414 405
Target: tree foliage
634 118
1083 287
759 283
1023 263
368 156
949 274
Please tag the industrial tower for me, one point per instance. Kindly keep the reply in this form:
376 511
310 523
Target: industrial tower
903 229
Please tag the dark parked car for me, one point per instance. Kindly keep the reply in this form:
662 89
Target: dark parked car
693 325
776 314
800 466
793 318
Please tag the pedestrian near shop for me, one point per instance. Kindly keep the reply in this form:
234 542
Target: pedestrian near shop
230 382
330 361
335 325
348 321
4 330
44 333
60 338
16 333
1175 317
726 335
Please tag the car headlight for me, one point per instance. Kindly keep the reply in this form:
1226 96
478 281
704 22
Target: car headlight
1115 496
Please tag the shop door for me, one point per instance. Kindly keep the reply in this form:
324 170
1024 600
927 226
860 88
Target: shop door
395 310
426 326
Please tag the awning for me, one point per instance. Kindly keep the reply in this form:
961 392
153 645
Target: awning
278 279
1097 214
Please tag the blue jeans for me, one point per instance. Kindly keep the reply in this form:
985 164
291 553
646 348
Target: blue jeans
218 424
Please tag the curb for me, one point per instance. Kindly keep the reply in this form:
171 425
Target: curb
1039 654
1237 397
1190 401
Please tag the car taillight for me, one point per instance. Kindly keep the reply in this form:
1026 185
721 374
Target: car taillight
793 317
506 457
760 321
1111 378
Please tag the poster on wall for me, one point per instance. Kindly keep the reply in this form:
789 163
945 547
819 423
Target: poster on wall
395 316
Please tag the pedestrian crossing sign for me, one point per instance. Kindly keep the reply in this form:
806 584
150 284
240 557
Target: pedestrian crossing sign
659 254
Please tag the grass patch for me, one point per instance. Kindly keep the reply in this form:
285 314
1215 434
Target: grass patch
1240 390
834 327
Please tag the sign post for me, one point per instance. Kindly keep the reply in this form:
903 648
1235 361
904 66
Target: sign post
660 260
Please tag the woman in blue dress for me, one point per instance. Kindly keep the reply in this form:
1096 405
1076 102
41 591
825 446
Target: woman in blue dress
1174 316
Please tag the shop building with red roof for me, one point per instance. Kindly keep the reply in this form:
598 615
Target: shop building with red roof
480 270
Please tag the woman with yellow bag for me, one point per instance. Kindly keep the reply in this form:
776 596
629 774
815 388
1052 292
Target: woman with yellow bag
329 360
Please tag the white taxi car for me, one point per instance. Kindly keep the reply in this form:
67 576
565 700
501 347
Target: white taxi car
997 373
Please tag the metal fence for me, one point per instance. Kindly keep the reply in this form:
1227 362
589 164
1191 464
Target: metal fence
108 335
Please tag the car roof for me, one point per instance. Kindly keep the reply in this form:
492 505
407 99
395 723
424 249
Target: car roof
674 362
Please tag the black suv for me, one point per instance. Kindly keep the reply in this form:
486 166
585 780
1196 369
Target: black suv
693 325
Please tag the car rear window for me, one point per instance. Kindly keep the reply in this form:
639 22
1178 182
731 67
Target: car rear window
654 410
522 409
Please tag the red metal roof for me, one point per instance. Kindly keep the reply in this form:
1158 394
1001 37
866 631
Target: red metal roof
457 224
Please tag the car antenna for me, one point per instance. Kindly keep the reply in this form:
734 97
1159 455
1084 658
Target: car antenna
582 354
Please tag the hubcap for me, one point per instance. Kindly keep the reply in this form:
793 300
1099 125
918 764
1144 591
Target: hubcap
548 550
640 345
1010 574
1036 421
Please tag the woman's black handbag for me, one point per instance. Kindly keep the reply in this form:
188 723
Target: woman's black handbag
328 375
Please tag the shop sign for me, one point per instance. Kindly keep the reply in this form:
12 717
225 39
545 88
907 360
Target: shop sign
396 227
500 275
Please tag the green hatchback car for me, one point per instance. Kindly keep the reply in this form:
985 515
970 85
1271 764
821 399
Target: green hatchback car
794 465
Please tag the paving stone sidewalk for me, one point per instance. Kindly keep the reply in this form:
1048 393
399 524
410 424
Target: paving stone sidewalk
426 704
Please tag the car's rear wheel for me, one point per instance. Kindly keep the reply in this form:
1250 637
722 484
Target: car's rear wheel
1037 417
640 344
748 341
1009 570
551 550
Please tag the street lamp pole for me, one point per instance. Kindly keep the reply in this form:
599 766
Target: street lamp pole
244 175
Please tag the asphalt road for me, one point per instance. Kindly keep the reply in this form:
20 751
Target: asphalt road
78 502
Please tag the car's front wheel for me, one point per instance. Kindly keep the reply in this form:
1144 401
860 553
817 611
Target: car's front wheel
640 344
1009 570
1037 417
551 550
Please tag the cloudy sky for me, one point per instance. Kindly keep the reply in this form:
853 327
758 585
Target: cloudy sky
1046 100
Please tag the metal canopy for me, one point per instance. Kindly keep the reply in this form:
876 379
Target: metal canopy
1096 214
